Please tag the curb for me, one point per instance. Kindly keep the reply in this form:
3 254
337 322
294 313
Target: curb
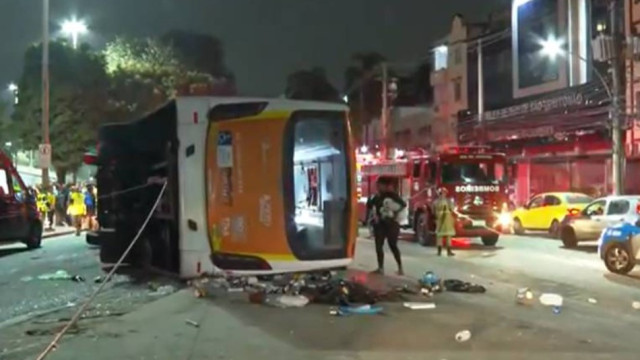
56 234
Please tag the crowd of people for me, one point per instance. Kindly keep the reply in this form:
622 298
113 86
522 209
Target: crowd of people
68 205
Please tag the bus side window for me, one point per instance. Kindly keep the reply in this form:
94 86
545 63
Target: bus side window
417 165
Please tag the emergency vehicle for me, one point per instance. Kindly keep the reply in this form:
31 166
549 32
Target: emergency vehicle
253 186
474 177
19 216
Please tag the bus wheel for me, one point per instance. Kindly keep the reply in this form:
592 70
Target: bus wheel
490 240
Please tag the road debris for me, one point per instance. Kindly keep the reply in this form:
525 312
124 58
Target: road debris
419 305
549 299
360 310
61 275
287 301
524 296
163 290
463 336
592 301
456 285
635 305
192 323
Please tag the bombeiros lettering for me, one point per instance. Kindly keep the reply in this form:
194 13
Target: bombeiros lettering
477 188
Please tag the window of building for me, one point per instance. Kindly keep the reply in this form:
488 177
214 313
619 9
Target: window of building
457 89
457 57
440 57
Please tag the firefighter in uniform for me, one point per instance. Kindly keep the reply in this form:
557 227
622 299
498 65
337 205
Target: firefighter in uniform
443 210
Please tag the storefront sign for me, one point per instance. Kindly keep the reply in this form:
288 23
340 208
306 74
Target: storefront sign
542 131
536 106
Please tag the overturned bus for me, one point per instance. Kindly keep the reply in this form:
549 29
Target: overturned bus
253 186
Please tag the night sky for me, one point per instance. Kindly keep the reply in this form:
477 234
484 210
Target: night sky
264 40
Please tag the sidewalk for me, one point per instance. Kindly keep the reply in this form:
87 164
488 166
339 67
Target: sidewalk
58 231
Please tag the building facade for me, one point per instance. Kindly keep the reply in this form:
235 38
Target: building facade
548 110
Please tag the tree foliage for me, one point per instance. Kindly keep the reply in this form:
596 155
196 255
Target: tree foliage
362 88
311 85
204 54
78 102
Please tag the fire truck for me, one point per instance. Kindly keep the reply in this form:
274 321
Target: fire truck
474 177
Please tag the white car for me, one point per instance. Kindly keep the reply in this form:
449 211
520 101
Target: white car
588 224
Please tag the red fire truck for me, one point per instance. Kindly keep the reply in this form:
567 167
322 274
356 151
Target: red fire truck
474 177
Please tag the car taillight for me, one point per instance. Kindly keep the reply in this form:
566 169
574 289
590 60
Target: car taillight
638 208
573 212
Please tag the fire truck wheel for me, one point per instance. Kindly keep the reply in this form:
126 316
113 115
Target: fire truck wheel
490 240
517 227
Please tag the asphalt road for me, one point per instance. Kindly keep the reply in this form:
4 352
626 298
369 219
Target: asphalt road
24 294
500 328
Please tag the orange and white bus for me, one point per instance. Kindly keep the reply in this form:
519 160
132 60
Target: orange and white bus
254 186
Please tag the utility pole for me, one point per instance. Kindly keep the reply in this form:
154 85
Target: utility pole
384 116
481 93
45 86
618 154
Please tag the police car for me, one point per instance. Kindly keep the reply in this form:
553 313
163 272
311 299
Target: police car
619 245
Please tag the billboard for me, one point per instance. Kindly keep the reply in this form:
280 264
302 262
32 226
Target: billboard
536 21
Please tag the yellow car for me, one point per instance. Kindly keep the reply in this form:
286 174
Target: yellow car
546 211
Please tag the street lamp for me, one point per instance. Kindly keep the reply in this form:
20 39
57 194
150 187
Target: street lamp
74 28
552 48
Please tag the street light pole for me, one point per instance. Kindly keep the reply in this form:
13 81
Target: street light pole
481 92
618 155
45 86
384 116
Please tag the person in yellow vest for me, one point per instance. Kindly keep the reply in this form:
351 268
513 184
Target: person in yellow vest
76 208
46 201
445 222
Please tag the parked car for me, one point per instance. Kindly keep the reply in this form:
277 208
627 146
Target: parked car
598 215
19 217
619 247
546 211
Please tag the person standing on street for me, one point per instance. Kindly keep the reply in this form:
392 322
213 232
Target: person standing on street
443 210
385 207
76 208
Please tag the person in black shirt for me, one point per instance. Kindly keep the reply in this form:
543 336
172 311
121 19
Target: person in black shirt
385 206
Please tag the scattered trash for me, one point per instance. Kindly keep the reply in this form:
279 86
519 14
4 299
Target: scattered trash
456 285
592 301
163 290
557 310
361 310
549 299
636 305
198 293
463 336
192 323
287 301
61 275
524 296
257 297
488 254
419 305
426 292
235 289
430 279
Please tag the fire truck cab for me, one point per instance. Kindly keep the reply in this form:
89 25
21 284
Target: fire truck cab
474 177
